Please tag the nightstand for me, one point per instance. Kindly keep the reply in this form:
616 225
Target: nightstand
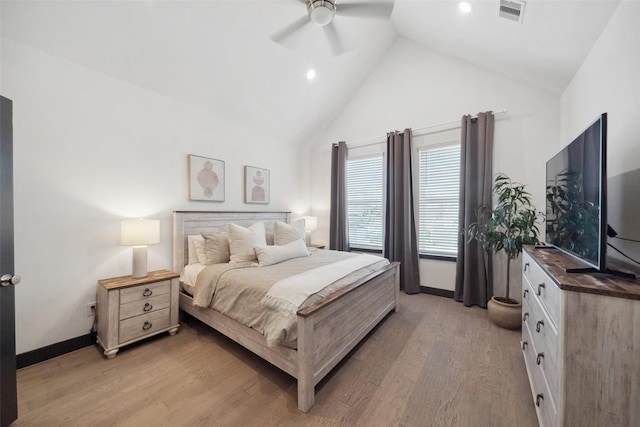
317 246
130 310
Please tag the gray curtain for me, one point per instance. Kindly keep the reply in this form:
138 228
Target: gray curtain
474 272
400 238
338 225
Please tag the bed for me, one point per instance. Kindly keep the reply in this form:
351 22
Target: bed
327 329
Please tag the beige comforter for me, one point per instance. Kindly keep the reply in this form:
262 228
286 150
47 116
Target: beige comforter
237 290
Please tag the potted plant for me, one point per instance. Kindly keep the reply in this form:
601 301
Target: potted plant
510 224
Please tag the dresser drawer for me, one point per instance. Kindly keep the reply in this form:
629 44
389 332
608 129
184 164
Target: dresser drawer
542 287
545 405
146 324
144 306
544 337
143 292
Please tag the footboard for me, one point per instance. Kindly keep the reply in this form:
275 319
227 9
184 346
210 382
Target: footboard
328 330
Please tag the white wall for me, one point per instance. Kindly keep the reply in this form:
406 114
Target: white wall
90 150
608 82
414 86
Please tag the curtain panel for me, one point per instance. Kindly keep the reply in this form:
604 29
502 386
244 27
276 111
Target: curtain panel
338 224
400 237
474 271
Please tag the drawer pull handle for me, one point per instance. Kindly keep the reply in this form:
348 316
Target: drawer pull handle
147 292
146 326
526 265
524 316
147 306
539 397
538 357
540 288
524 345
539 325
524 294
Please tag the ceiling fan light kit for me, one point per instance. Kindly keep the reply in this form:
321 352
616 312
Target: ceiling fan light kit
321 12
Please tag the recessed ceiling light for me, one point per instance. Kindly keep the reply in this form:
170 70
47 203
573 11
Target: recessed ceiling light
311 74
465 6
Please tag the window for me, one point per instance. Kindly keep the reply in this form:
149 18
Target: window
439 188
364 202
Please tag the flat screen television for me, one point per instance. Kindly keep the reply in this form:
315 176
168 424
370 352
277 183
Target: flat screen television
576 197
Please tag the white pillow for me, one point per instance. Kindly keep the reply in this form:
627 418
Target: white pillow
268 255
242 241
286 233
195 244
216 247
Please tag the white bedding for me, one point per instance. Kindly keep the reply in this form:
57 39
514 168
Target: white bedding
189 276
237 291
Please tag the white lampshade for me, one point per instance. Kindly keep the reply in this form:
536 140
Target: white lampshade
310 223
139 233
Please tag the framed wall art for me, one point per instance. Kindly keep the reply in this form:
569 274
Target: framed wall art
256 185
206 178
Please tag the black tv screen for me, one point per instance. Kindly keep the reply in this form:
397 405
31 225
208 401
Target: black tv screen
576 220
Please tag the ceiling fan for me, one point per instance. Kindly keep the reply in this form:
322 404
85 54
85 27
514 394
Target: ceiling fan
322 12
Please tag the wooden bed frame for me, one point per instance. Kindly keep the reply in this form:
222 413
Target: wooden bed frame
327 330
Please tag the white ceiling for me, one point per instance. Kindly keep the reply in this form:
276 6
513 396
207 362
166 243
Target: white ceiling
217 55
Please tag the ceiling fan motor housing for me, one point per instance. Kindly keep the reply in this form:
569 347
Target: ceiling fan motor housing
321 12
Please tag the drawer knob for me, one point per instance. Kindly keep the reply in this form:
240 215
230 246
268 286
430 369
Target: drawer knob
524 316
147 292
540 288
147 306
524 345
539 397
539 358
524 294
526 266
146 326
539 325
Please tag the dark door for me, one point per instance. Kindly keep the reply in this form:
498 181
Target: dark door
8 391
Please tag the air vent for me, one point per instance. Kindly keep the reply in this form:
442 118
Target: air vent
512 10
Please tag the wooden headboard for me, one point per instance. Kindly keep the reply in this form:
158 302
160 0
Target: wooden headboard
186 223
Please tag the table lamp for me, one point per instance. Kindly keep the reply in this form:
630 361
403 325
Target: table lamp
310 224
139 233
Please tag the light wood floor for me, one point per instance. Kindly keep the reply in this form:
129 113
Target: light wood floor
435 363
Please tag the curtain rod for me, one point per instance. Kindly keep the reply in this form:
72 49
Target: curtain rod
416 132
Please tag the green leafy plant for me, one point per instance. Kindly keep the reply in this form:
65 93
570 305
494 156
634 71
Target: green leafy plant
510 224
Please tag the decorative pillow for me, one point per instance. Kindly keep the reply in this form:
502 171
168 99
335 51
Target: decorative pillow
286 233
269 255
216 247
196 250
242 241
270 238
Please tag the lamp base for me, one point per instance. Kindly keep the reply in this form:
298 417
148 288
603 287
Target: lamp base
139 262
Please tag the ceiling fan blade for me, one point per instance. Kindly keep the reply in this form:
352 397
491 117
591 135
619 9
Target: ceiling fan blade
365 10
290 29
334 40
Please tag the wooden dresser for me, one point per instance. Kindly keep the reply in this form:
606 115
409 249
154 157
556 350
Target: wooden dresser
131 309
581 342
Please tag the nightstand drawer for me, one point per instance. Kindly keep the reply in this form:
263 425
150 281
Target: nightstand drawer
147 305
143 325
138 293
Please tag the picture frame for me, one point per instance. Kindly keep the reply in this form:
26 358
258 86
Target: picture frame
257 182
206 179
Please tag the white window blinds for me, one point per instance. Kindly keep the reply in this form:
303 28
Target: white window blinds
439 187
364 202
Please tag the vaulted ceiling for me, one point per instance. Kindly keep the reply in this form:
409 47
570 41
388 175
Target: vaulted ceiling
218 55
